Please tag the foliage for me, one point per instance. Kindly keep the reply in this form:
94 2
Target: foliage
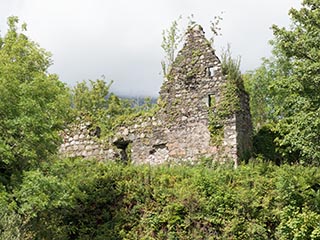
263 144
214 27
230 90
229 99
33 104
46 198
288 83
81 199
257 83
93 102
92 98
171 38
261 84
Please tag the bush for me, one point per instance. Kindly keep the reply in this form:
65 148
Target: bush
81 199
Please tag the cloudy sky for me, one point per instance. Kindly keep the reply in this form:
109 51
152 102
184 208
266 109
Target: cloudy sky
121 39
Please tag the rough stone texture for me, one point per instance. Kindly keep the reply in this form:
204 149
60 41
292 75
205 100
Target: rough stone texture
179 131
82 140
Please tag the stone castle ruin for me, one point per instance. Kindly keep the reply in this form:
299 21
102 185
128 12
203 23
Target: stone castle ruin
184 128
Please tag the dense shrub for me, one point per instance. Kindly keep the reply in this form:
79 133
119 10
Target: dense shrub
81 199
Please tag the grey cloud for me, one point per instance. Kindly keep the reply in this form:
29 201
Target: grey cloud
121 39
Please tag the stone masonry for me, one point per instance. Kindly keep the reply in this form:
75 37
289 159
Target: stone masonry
180 129
81 139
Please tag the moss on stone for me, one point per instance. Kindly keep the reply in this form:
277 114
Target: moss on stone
229 102
216 128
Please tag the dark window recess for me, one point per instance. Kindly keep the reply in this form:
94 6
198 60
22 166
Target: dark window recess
123 146
152 151
156 147
211 100
96 132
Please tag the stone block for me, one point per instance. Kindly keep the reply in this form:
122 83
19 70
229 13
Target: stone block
182 121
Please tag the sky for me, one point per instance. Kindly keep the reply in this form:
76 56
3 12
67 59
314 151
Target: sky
121 39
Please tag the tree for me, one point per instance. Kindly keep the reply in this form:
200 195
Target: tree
34 104
91 98
290 83
260 83
299 125
171 38
93 102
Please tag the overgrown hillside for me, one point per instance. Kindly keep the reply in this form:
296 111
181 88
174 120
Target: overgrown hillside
80 199
274 195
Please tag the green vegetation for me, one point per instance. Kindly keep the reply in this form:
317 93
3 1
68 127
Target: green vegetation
171 38
230 91
45 197
229 102
93 102
285 89
81 199
33 104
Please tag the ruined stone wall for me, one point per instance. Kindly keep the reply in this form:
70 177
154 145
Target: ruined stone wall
180 129
81 140
195 76
162 144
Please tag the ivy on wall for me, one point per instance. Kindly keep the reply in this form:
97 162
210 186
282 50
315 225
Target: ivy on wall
229 98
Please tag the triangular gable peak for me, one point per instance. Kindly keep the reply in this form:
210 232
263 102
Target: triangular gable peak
183 128
194 79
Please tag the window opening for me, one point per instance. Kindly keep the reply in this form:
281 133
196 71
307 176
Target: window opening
123 146
210 71
211 100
